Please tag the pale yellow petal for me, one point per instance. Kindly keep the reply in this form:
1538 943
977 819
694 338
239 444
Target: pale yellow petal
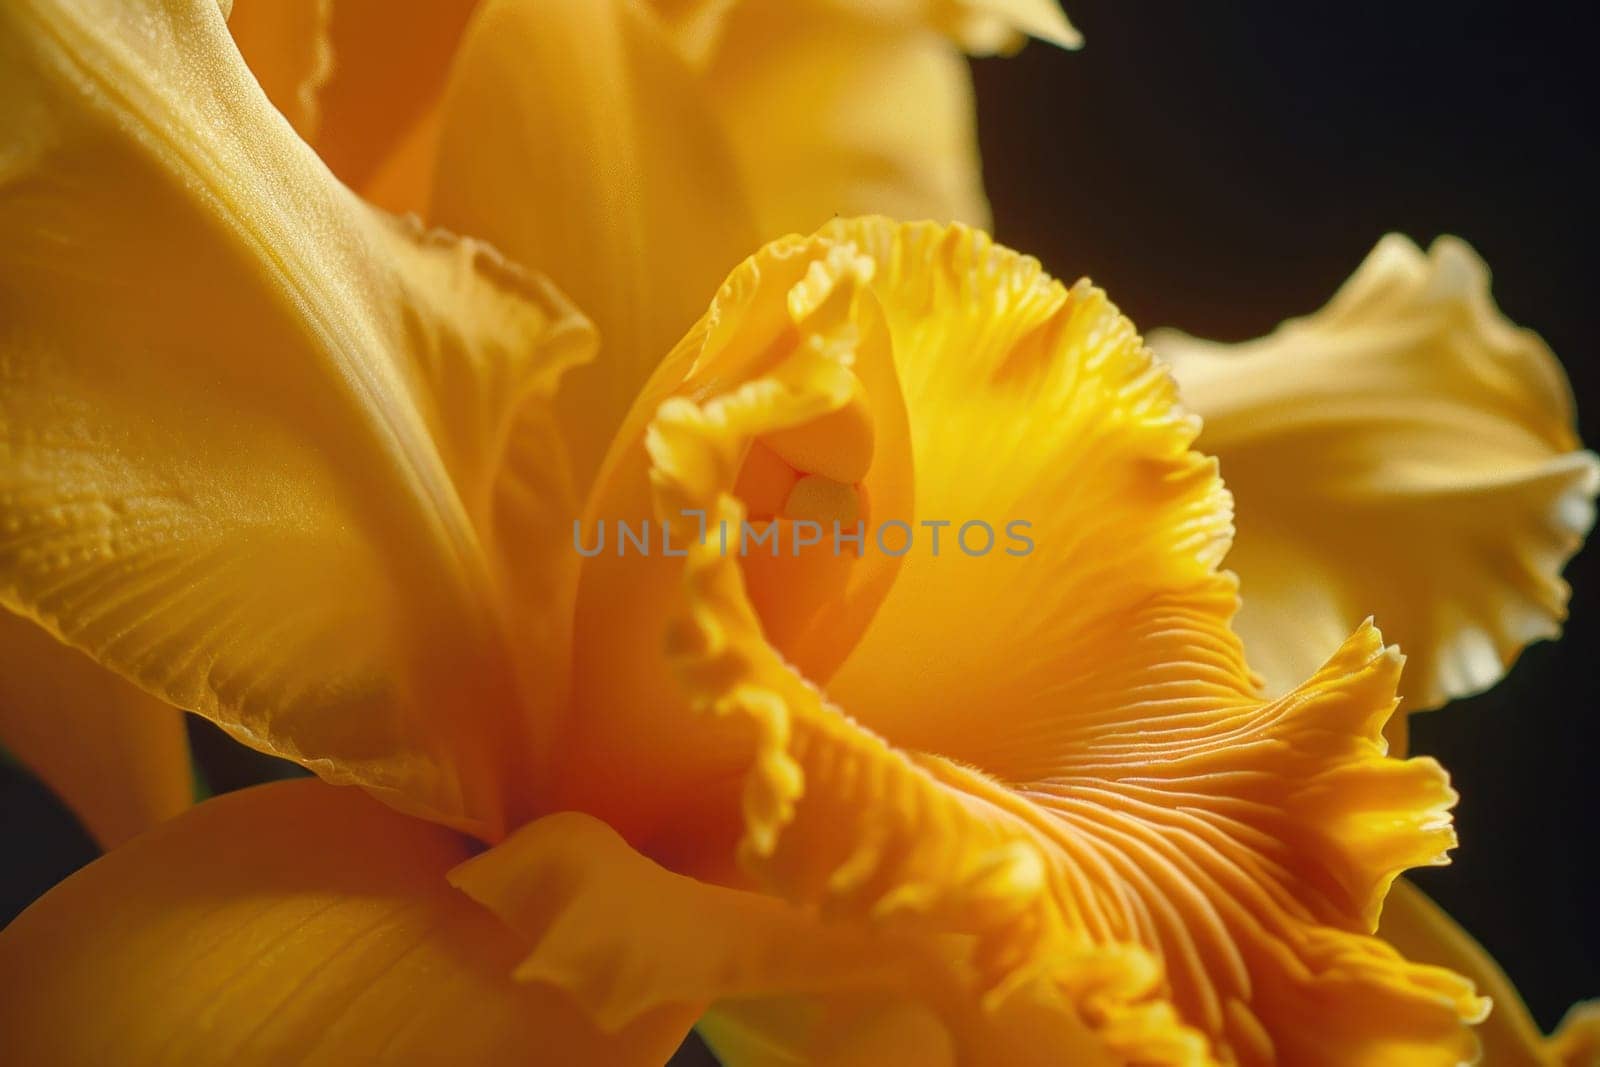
1112 827
118 757
1420 928
830 111
290 923
288 47
254 448
1407 453
577 140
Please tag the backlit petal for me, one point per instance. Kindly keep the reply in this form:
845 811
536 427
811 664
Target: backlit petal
577 140
1143 846
1420 928
290 923
288 47
254 452
118 757
1407 453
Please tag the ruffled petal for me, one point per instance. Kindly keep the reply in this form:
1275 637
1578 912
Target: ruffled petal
254 446
118 757
289 48
577 140
1408 453
1419 928
1145 847
289 923
1036 417
629 758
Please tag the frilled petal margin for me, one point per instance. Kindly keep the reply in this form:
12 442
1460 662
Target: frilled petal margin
1405 452
1088 809
254 435
118 757
291 923
1420 928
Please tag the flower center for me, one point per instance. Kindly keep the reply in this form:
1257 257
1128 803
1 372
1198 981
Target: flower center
806 507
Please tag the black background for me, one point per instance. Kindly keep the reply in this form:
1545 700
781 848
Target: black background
1220 167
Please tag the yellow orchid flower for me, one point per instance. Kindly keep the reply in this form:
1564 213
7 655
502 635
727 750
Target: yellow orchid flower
313 473
363 80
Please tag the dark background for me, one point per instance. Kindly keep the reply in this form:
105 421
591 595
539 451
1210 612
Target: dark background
1220 167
